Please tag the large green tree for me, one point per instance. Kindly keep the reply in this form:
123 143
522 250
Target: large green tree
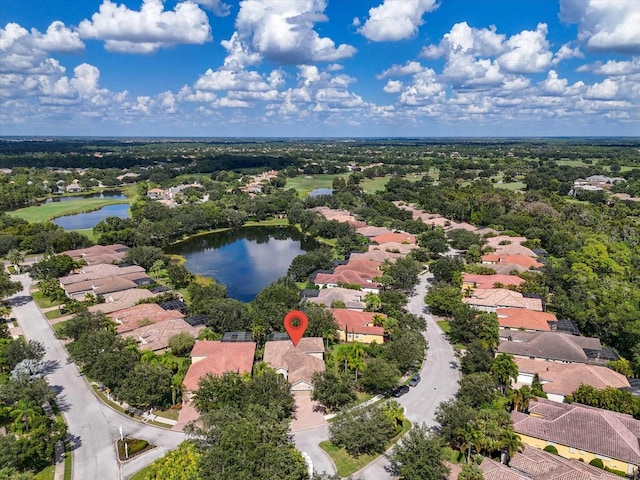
419 456
365 430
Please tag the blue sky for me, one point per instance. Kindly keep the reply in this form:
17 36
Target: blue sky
318 68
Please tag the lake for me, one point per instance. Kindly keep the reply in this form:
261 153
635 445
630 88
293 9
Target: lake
316 192
246 259
112 195
90 219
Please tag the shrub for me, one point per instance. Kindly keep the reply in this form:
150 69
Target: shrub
597 462
551 449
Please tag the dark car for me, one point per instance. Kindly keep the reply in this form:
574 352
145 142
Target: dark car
401 390
415 380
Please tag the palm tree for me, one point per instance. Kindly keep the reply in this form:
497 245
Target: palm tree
511 441
504 370
15 257
372 302
22 412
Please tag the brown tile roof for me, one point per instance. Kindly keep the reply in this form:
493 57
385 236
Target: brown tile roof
525 318
351 298
120 300
376 255
541 465
101 286
221 357
130 318
506 268
493 470
602 432
297 361
395 247
488 281
369 231
502 298
494 242
357 322
515 250
550 345
113 253
394 237
100 270
156 337
565 378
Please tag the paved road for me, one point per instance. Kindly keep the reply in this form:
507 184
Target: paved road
93 427
439 374
308 441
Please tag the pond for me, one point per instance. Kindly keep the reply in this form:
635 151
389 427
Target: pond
316 192
90 219
112 195
245 260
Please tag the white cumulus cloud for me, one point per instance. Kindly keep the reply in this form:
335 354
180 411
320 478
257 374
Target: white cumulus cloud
527 51
145 31
395 20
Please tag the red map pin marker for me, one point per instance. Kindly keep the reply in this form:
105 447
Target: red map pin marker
295 323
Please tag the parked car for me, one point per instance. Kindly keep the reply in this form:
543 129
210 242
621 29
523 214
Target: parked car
401 390
415 380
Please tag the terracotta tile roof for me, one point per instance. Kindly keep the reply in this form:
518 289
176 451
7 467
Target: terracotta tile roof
518 259
101 286
462 226
357 322
394 237
297 361
351 298
130 318
91 255
121 300
100 270
366 267
502 298
550 345
493 470
346 276
506 268
565 378
602 432
488 281
515 250
525 318
221 357
156 337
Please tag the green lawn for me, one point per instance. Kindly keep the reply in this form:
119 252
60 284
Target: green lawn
52 314
49 211
444 326
304 184
46 474
141 474
42 301
58 327
513 186
346 464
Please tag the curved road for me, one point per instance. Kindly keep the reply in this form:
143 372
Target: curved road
439 383
93 427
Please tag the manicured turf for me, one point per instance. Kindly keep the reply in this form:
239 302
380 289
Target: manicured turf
513 186
52 314
304 184
444 326
141 474
48 211
42 301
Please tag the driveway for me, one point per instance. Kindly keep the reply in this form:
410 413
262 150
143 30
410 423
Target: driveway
93 427
439 382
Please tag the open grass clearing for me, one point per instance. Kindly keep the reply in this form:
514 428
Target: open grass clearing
304 184
53 314
46 474
49 211
346 464
513 186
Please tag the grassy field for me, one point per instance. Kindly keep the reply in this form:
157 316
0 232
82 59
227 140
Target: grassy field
141 474
42 301
346 464
46 474
513 186
49 211
304 184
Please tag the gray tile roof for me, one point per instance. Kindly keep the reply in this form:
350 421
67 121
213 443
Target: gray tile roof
549 345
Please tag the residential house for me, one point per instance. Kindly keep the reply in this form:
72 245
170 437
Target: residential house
370 231
489 300
97 271
535 464
376 255
99 254
358 326
296 363
156 336
503 240
106 285
553 346
142 315
212 357
394 247
525 319
74 187
397 237
518 259
368 268
562 379
485 282
352 299
342 216
506 268
115 301
346 277
582 433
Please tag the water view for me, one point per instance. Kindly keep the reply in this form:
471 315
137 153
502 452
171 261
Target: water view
114 195
90 219
316 192
246 260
